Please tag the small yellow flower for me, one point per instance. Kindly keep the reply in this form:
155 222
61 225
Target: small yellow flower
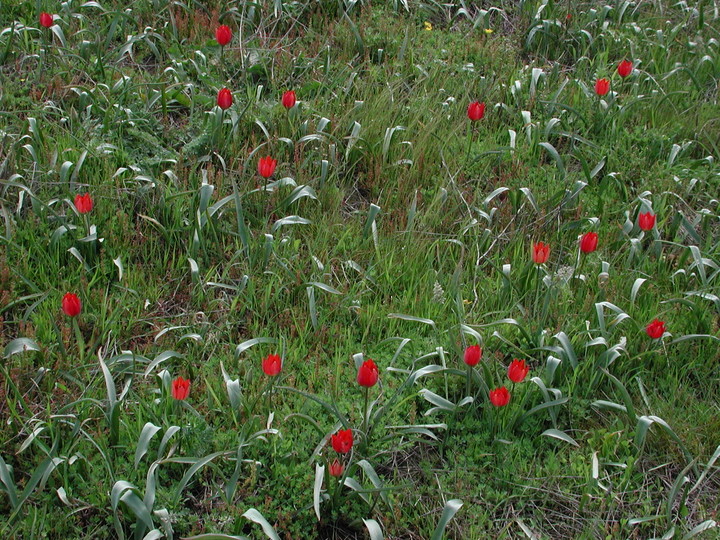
428 26
489 30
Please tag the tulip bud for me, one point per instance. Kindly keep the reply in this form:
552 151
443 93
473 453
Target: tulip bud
223 35
224 99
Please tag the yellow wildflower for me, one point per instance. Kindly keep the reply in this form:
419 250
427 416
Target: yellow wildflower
489 30
428 26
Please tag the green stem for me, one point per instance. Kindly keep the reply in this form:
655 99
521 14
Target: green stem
467 380
80 340
469 143
366 415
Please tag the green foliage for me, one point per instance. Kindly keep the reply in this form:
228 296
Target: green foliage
393 228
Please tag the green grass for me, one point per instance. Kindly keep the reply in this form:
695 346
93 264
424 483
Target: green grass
393 228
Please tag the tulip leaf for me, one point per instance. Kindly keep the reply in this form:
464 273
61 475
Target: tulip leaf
215 536
256 517
372 214
374 529
20 345
160 358
251 343
357 487
6 478
704 526
375 480
557 434
317 488
290 220
451 508
539 408
411 318
196 466
148 432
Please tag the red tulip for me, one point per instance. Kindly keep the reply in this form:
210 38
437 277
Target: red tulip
272 365
71 305
224 99
180 388
342 441
625 68
83 203
289 99
540 253
517 371
266 166
223 35
476 111
46 20
655 329
473 354
602 87
589 242
336 468
500 396
368 374
646 221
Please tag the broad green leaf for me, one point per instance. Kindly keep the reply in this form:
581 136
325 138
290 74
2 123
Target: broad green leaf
256 517
557 434
375 480
245 345
374 529
451 508
411 318
20 345
704 526
6 478
197 465
215 536
148 432
317 487
160 358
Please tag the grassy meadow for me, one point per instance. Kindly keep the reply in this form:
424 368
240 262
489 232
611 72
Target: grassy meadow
386 270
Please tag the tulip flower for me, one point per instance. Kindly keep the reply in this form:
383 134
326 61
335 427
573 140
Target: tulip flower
602 87
342 441
336 469
589 242
517 371
368 374
266 166
473 354
625 68
180 388
224 99
223 35
646 221
272 365
71 305
476 111
46 20
289 99
500 396
83 203
655 329
540 253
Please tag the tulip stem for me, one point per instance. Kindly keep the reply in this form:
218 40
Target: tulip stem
365 419
537 290
80 340
469 143
467 380
507 407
